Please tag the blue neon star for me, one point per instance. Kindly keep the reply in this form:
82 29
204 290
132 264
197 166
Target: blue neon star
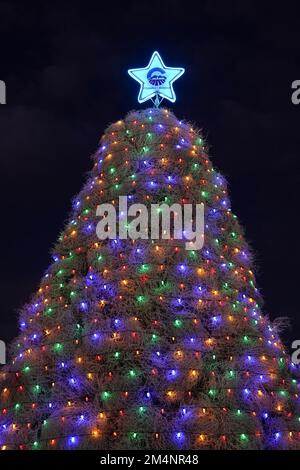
156 80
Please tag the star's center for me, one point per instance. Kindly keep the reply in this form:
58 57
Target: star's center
156 76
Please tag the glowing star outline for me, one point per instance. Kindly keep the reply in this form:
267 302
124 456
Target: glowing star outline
162 79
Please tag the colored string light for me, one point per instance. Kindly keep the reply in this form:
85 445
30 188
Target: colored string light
137 341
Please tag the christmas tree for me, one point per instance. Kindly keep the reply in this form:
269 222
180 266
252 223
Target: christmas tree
144 344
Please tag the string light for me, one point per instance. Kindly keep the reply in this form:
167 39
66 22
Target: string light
129 333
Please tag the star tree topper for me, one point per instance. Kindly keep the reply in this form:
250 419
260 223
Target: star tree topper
156 80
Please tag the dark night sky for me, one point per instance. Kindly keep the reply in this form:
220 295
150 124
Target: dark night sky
65 67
